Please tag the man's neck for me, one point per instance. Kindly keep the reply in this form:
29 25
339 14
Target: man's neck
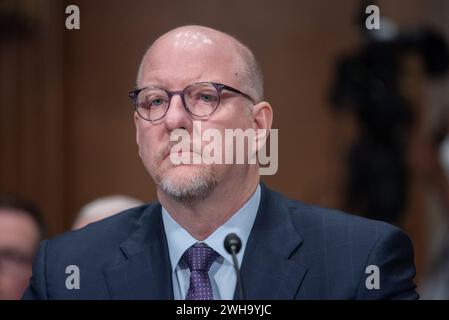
203 217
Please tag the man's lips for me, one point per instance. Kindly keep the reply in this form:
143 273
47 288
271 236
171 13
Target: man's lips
183 151
179 153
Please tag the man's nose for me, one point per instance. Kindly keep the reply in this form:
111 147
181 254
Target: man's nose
177 117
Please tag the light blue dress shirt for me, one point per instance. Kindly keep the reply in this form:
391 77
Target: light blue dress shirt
221 273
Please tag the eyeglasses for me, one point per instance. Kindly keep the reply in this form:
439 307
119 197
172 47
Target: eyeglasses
200 99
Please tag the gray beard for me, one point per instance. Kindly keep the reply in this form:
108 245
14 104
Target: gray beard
196 189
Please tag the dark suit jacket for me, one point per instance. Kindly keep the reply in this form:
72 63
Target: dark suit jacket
295 251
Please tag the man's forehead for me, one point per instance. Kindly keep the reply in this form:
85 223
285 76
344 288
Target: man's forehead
183 38
185 43
192 53
194 35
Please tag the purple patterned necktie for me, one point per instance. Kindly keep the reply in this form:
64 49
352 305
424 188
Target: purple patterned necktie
199 258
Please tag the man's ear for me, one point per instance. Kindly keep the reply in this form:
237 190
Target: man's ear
136 119
262 114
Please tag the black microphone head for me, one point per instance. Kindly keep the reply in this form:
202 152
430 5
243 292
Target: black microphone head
232 243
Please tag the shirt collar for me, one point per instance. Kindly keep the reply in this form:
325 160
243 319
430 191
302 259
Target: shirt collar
241 223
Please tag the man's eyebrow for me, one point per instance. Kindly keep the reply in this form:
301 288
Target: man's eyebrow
157 82
154 80
153 84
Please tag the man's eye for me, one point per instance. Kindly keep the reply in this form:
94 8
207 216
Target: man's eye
156 102
207 97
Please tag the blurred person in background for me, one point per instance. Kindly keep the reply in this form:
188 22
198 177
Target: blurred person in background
21 230
433 162
395 161
102 208
381 86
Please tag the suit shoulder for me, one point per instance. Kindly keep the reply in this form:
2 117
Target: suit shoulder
109 231
336 222
338 248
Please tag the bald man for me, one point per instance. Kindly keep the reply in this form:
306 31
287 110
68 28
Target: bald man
194 80
102 208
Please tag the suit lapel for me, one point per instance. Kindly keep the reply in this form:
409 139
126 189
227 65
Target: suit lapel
143 270
270 269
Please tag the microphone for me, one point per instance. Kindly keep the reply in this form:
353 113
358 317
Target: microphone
233 244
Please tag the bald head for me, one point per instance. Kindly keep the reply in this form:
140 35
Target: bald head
206 45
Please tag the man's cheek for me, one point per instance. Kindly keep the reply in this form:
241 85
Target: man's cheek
141 152
145 153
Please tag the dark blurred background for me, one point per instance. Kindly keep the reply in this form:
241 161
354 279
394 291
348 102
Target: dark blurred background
66 128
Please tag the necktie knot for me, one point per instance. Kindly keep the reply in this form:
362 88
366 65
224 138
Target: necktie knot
200 257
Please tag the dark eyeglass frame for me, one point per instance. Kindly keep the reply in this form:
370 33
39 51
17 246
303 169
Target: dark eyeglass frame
218 86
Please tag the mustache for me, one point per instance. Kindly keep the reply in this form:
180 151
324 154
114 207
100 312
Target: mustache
166 150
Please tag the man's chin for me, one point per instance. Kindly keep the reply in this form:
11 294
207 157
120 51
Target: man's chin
188 183
185 172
